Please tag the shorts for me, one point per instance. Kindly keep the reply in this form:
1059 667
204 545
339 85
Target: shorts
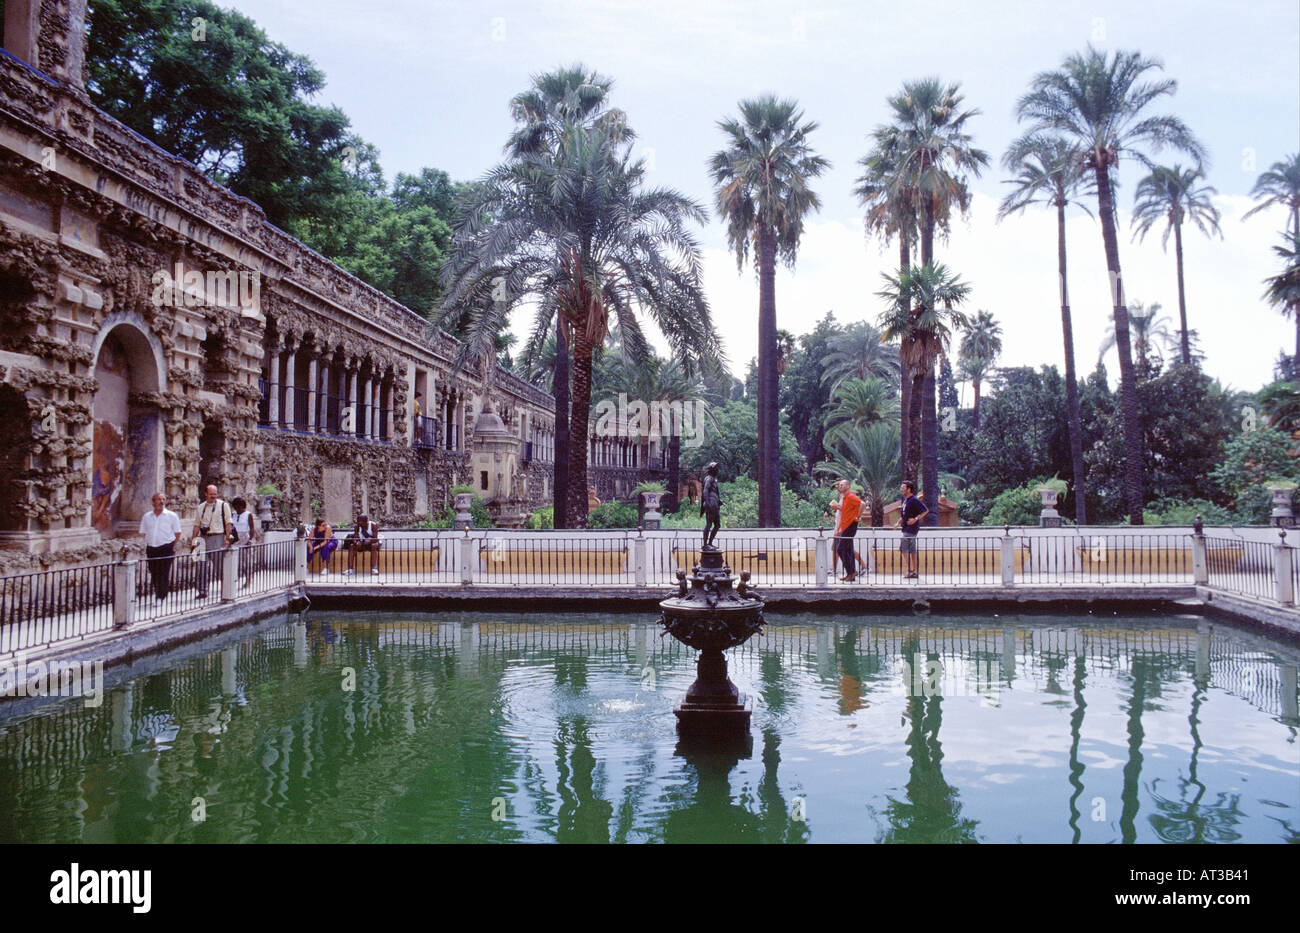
907 545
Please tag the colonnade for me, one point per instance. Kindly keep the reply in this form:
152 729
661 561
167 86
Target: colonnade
331 393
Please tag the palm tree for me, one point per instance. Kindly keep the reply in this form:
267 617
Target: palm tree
921 314
557 103
859 403
859 351
931 151
868 458
890 202
762 192
1099 104
1049 170
1172 195
1284 288
1280 185
980 347
1148 326
577 234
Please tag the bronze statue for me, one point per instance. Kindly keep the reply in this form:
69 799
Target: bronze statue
710 506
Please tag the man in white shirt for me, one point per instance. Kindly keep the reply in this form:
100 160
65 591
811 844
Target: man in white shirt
214 525
161 528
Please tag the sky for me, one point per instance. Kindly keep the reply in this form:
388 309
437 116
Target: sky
429 84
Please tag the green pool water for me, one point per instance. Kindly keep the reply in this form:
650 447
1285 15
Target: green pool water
367 727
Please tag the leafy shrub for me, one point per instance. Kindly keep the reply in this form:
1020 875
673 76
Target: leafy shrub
612 514
1176 512
542 518
1021 505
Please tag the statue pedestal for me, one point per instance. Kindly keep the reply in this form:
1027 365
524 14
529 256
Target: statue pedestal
709 615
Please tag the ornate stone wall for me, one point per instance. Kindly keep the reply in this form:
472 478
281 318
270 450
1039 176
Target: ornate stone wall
245 358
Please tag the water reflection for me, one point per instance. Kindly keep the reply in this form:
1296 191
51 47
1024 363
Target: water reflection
385 728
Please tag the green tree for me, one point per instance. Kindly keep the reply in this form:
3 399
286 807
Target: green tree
1049 170
922 314
981 345
762 192
579 235
1100 104
1252 458
869 459
1148 326
1280 187
803 389
928 142
732 441
1173 195
858 404
235 104
1183 441
1284 288
857 351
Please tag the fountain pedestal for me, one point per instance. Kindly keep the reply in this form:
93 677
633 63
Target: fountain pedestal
708 614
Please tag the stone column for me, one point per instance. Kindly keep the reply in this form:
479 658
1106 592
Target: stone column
311 389
273 403
366 397
290 412
352 374
326 373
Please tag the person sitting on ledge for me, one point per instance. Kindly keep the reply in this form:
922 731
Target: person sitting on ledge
364 538
323 543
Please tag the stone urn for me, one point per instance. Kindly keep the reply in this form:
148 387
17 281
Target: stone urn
463 518
1282 516
707 614
651 517
1048 517
264 511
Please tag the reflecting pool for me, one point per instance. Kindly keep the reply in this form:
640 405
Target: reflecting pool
369 727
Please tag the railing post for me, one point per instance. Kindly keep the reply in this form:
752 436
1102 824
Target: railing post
1282 557
466 559
229 574
1008 547
638 559
123 593
1200 555
300 557
822 558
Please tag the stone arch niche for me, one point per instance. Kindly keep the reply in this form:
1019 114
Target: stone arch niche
13 459
212 440
127 453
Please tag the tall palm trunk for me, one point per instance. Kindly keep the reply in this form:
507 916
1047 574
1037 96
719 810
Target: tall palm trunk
912 464
1071 380
929 422
930 435
975 387
675 465
560 387
904 373
1128 384
769 450
581 407
1182 298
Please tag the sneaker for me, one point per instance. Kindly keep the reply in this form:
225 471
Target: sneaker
910 576
848 578
200 595
374 571
324 571
349 572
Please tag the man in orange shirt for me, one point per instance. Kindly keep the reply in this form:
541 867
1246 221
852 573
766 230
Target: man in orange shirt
850 508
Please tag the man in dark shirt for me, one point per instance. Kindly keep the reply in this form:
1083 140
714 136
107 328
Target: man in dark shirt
909 519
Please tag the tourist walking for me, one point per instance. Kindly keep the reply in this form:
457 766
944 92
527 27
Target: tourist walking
850 508
213 527
245 531
909 519
364 538
161 528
